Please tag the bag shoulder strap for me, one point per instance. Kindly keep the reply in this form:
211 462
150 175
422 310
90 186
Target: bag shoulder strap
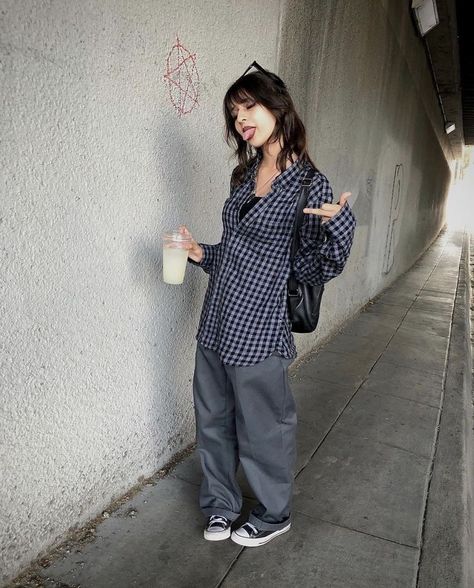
302 201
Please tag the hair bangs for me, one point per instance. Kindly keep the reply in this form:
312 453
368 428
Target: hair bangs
253 86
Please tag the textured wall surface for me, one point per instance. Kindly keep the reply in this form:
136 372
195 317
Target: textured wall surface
100 155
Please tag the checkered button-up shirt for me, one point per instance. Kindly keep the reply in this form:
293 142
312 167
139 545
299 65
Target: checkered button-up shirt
244 316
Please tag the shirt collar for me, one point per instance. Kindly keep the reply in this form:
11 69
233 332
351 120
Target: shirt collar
289 172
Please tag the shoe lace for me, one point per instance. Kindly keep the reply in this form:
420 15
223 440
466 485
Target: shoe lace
217 520
253 529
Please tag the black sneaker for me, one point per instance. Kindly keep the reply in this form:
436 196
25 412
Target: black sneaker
217 529
250 536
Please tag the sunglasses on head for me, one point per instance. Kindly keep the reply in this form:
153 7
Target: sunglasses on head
258 67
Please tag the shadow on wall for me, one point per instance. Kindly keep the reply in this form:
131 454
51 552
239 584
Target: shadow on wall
170 337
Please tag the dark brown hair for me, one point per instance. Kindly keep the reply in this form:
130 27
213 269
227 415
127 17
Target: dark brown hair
267 89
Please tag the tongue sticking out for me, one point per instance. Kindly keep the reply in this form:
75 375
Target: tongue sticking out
249 133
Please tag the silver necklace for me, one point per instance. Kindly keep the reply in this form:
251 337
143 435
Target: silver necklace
264 184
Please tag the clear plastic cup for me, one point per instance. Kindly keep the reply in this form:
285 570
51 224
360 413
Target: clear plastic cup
175 256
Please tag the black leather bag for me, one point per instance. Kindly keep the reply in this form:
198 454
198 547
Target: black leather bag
304 301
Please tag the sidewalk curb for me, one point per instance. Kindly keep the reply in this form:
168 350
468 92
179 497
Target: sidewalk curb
446 558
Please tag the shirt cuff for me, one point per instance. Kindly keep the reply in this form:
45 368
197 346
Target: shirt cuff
207 257
340 224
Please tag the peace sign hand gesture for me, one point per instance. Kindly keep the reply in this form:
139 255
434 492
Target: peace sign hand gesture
327 211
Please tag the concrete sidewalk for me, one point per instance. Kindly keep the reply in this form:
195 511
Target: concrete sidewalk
370 407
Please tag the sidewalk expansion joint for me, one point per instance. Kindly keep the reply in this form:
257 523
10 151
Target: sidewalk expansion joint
229 568
329 522
373 366
427 457
392 395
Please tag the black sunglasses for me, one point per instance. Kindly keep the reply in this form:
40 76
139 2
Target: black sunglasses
273 77
256 66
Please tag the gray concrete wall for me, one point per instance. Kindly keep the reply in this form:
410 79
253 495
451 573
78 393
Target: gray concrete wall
375 129
101 153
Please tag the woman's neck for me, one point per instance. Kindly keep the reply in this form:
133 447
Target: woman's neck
270 153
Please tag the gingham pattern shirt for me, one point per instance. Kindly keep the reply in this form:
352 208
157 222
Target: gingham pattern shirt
244 316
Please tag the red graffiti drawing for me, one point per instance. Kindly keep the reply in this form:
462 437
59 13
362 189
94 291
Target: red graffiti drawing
182 78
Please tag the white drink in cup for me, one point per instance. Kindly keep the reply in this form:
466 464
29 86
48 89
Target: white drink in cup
175 256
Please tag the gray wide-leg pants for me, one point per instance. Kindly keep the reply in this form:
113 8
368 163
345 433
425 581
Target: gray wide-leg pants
245 414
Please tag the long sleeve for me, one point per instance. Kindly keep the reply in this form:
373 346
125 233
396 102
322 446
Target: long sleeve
209 257
324 247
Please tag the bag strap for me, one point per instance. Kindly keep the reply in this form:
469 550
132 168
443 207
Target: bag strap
302 201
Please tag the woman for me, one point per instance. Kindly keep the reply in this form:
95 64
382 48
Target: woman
244 407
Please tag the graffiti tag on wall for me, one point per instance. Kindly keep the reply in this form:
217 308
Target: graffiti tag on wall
393 218
182 78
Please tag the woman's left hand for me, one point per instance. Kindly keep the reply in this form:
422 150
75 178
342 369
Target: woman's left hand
327 211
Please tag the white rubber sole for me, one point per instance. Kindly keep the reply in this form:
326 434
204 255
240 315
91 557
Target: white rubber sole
249 542
217 536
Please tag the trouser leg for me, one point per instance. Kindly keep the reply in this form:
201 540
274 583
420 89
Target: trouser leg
216 436
266 432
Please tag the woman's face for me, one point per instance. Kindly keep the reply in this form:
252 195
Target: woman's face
253 122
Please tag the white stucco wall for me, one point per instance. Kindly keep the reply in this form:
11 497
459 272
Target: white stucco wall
96 351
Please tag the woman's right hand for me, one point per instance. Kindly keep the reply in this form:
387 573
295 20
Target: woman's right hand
195 251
